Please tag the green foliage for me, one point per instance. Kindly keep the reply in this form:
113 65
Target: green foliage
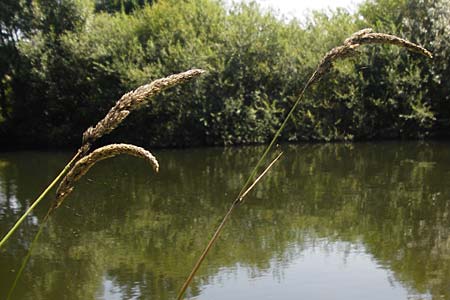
64 63
125 6
416 93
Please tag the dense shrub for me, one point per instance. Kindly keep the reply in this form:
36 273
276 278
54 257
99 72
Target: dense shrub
64 63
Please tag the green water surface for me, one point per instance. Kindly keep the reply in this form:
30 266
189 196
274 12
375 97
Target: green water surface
333 221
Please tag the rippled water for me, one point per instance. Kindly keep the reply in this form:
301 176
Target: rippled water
334 221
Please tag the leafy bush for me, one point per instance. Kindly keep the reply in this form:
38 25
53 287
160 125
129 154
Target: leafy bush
64 63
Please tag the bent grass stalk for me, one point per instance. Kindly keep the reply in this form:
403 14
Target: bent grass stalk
348 49
219 229
82 166
128 102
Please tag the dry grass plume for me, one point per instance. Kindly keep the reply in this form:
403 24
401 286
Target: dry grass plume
363 37
82 166
131 101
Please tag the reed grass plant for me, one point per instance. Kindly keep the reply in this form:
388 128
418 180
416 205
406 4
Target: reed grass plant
82 161
348 49
130 101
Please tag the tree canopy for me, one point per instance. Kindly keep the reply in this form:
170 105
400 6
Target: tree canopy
64 63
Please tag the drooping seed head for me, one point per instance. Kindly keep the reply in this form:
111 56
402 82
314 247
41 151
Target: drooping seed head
134 100
333 55
356 35
82 166
383 38
365 36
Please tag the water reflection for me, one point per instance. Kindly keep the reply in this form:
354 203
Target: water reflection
337 270
126 233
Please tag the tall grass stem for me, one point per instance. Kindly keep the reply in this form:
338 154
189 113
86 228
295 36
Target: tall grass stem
219 229
25 260
38 200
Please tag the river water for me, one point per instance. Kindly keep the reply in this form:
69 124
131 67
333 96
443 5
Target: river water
329 221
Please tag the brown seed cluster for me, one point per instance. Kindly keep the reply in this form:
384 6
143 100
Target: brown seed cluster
362 37
369 37
134 100
82 166
333 55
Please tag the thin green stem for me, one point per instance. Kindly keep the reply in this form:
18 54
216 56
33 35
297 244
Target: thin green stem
219 230
39 199
25 261
206 251
245 188
275 138
259 177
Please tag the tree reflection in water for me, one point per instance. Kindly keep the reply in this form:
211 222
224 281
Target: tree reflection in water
129 232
